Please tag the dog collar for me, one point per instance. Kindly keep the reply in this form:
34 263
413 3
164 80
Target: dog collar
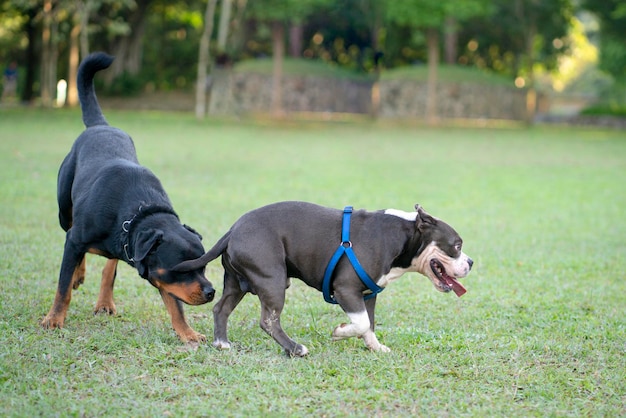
345 247
143 212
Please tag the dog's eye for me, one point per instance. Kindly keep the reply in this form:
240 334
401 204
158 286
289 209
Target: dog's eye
458 246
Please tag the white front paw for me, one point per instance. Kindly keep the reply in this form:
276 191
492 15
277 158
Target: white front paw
372 343
221 345
383 349
299 351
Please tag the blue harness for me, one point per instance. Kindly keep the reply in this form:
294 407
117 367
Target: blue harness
345 247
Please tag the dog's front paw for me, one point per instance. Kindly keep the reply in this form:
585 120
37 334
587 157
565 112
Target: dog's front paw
382 348
104 308
372 343
192 336
52 321
221 345
299 351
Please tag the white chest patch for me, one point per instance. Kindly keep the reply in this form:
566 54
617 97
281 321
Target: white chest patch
393 274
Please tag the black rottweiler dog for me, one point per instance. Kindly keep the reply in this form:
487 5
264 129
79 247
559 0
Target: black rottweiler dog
111 206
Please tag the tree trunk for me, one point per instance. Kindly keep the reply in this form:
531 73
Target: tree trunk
432 39
135 49
278 56
72 90
376 25
203 60
222 32
375 30
531 92
54 58
49 55
46 54
451 42
238 31
127 49
31 55
295 39
84 11
529 26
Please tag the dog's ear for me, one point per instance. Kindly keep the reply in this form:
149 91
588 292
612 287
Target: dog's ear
145 242
423 219
190 229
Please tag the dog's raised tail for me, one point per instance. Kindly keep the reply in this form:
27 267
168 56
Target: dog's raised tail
217 250
92 114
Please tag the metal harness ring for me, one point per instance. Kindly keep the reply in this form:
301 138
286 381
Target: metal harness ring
126 252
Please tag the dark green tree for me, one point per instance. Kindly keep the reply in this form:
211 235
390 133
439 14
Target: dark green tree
18 19
346 32
429 16
278 14
518 36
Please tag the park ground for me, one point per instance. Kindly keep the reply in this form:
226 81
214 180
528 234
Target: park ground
541 331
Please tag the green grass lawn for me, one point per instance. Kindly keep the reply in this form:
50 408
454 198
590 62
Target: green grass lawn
541 331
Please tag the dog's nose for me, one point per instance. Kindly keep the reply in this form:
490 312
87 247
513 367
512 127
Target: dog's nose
209 293
470 262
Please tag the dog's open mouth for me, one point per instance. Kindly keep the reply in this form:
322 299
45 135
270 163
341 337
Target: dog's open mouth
448 282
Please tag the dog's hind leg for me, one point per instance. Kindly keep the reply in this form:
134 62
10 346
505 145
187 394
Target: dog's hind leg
232 295
72 261
105 302
175 309
272 303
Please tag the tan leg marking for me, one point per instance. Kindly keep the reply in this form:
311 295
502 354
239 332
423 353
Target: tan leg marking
105 302
183 330
58 312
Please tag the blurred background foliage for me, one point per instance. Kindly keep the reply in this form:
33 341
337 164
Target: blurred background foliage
575 47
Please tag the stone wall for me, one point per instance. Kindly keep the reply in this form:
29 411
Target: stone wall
407 99
241 93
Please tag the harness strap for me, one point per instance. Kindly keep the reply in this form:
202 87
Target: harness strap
345 247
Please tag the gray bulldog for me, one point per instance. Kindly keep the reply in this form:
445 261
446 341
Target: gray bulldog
271 244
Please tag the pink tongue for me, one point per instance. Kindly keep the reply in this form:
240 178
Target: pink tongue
455 285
